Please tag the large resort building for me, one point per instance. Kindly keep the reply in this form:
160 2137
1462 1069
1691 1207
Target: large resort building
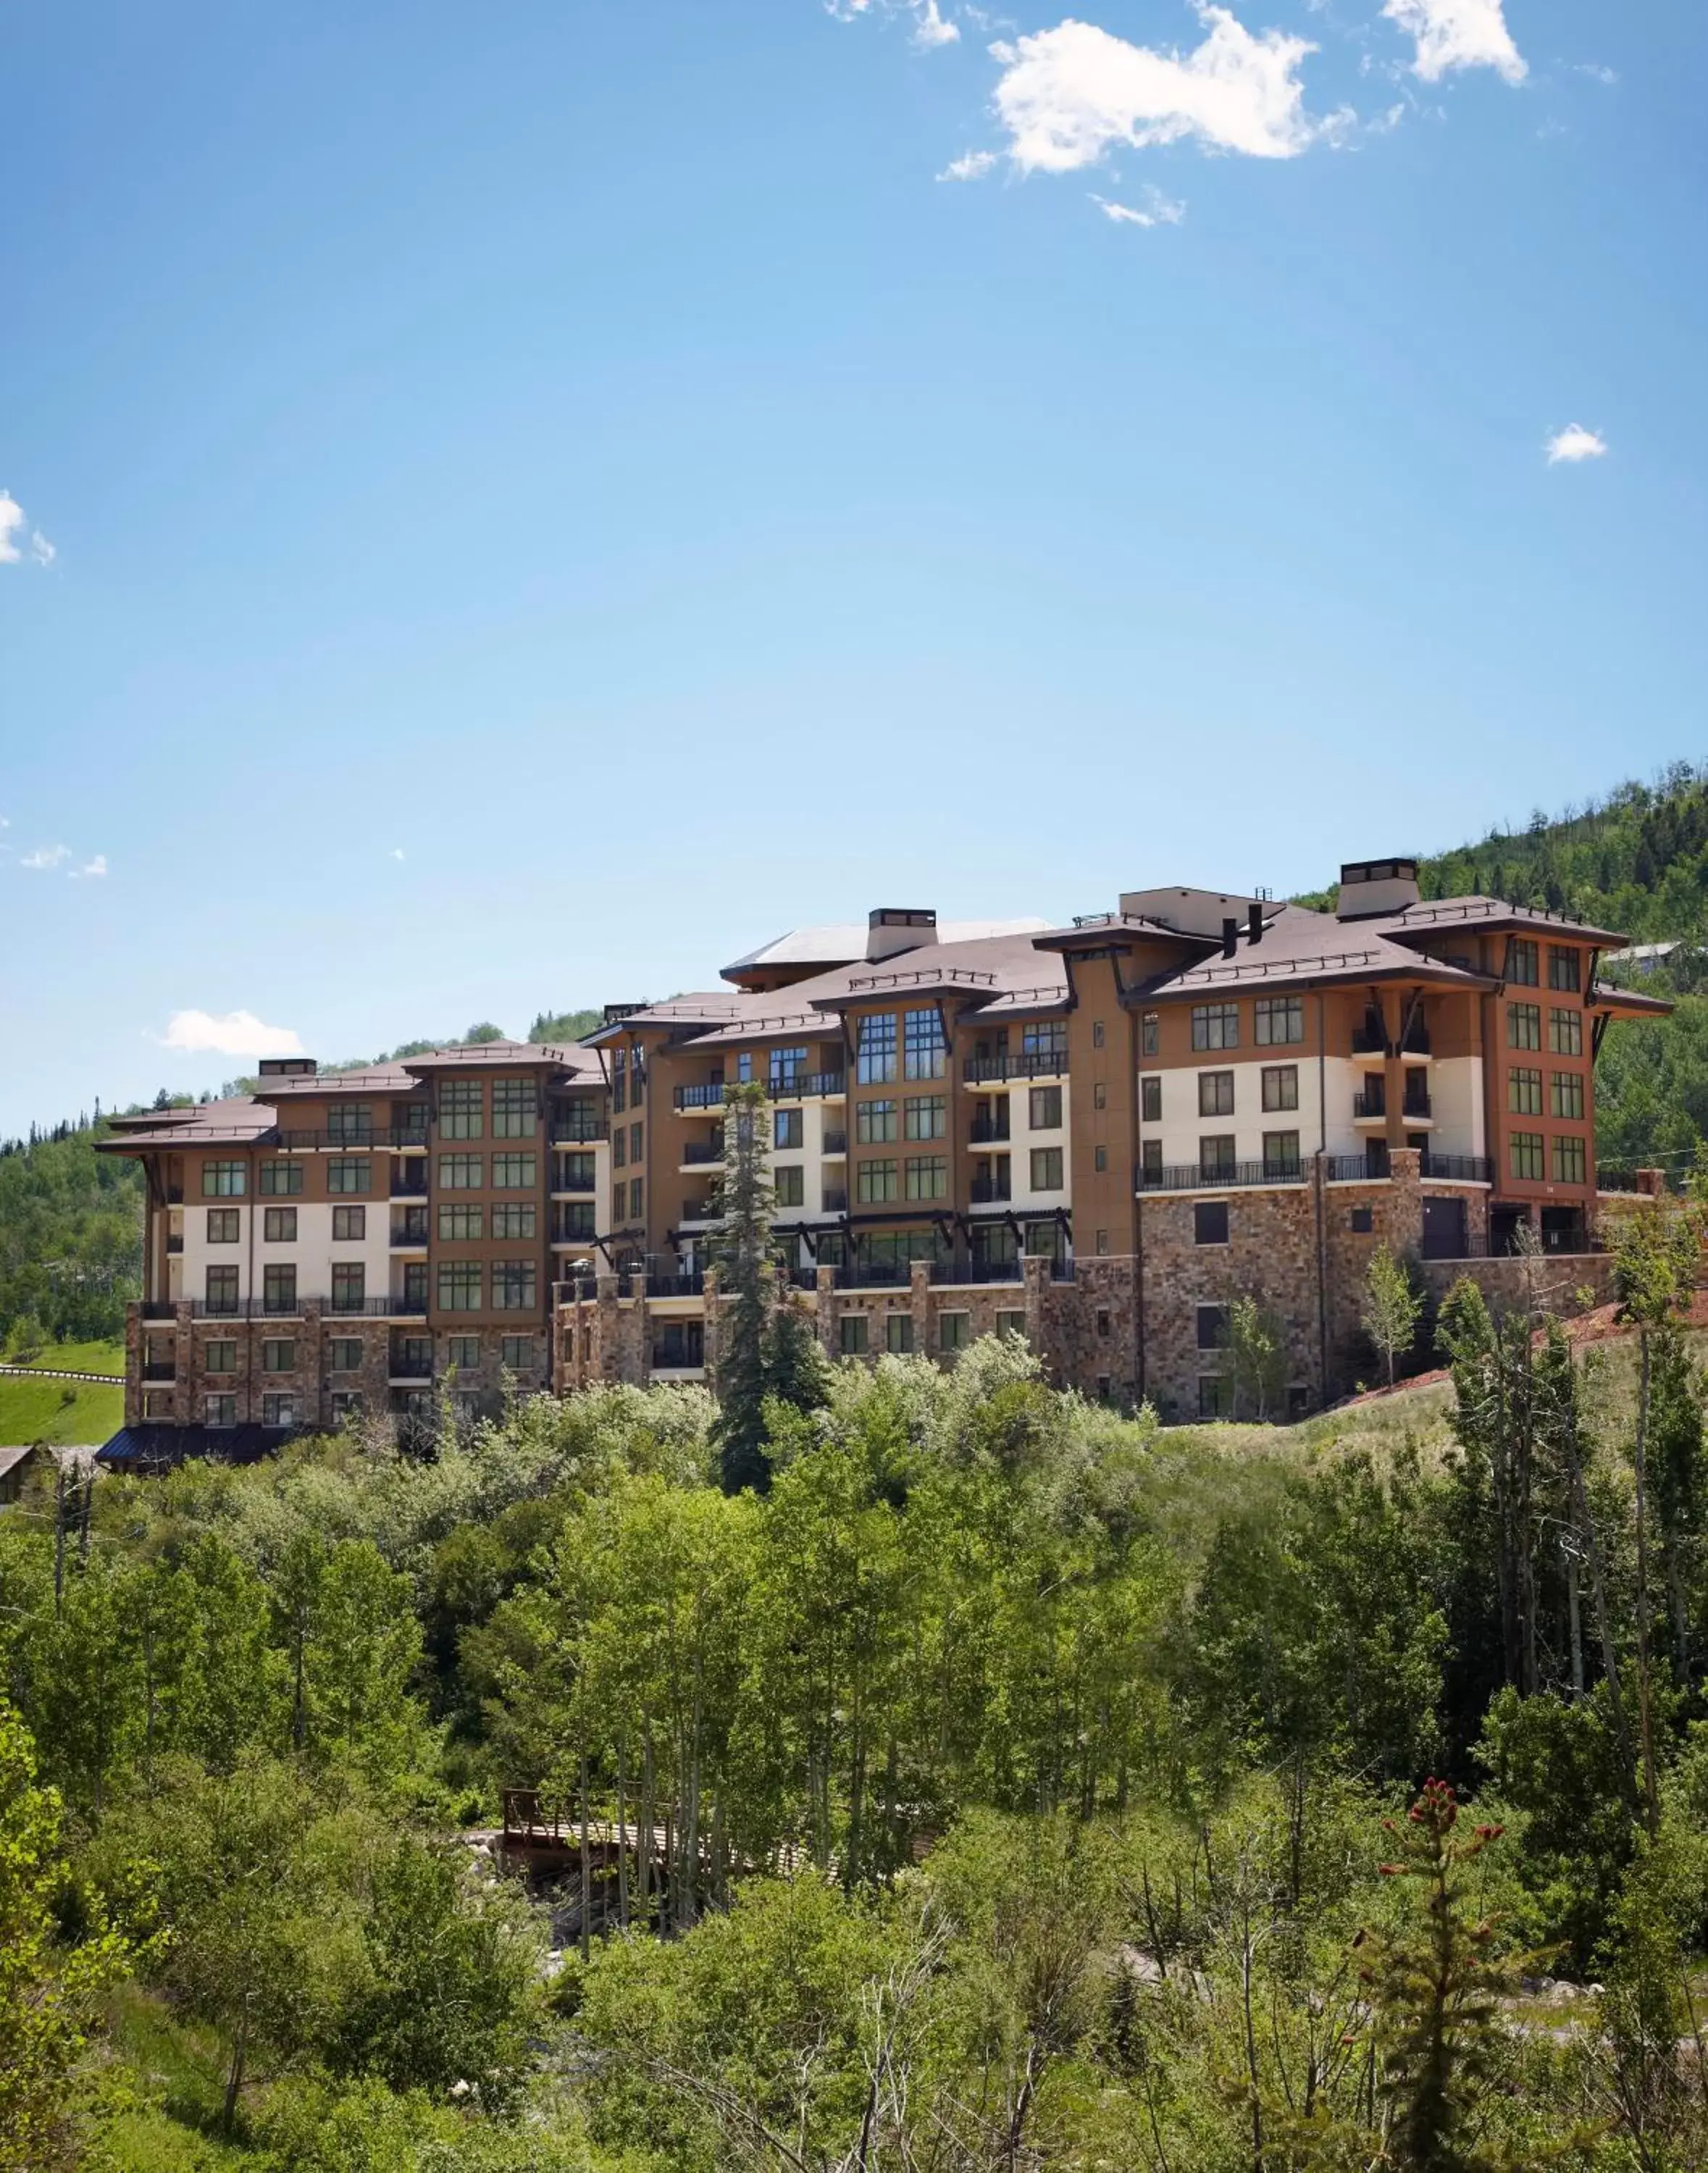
1098 1136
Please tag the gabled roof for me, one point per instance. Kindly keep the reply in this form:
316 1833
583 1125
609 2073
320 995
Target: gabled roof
1433 916
1300 947
842 942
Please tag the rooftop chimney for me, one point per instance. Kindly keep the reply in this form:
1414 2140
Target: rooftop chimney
1377 886
892 929
1230 937
287 1067
1254 921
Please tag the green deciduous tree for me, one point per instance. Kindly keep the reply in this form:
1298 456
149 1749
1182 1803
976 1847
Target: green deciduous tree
1390 1309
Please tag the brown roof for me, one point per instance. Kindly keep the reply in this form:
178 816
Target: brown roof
1302 947
1434 915
238 1122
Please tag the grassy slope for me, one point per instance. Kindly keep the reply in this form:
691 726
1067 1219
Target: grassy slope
100 1357
72 1414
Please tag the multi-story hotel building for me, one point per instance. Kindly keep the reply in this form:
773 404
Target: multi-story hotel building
1098 1136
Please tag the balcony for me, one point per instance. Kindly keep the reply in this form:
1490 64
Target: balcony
834 1143
406 1186
990 1131
1192 1177
1371 1168
174 1244
991 1191
1369 1106
805 1086
834 1199
875 1275
160 1369
1458 1169
159 1308
573 1227
977 1271
701 1211
675 1286
1415 1109
1028 1064
709 1096
175 1195
1370 1041
698 1152
413 1231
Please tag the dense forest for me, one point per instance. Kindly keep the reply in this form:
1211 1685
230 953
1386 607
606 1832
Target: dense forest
1034 1788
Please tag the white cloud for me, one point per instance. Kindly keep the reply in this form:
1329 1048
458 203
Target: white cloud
97 866
1069 94
970 166
46 856
13 524
40 549
1575 442
235 1033
930 30
1597 71
1457 34
1158 210
398 852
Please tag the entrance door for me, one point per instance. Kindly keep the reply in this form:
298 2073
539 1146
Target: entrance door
1443 1228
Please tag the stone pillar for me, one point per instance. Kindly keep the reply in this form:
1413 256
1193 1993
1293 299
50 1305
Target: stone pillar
1653 1182
187 1383
1407 1172
1035 1270
827 1316
135 1350
920 1302
606 1305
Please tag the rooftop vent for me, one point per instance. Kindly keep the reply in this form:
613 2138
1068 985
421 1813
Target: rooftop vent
287 1067
1373 886
892 929
615 1013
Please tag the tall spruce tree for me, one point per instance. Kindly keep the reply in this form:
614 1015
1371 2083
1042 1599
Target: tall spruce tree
743 1253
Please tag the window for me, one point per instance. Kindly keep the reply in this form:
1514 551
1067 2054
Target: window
1566 1096
1048 1039
1102 1324
415 1286
344 1354
1215 1154
791 1185
279 1226
1362 1220
1100 1094
277 1411
1150 1033
1100 1159
515 1286
1281 1086
1568 1159
458 1222
1102 1239
898 1333
516 1353
219 1355
517 1218
1215 1094
353 1173
1216 1026
852 1335
875 1123
1215 1396
222 1180
1046 1169
220 1410
788 1067
459 1109
222 1290
462 1351
1280 1154
923 1047
951 1330
874 1181
925 1116
1096 1033
222 1225
459 1286
637 1196
157 1403
575 1173
788 1129
1524 1090
637 1136
350 1125
1044 1108
619 1081
278 1355
1210 1222
349 1286
280 1178
1523 1026
1012 1323
1563 966
927 1177
1280 1020
515 1108
1522 959
619 1147
347 1405
1564 1031
1525 1156
1151 1100
409 1123
1212 1327
519 1173
278 1289
875 1061
1150 1162
349 1224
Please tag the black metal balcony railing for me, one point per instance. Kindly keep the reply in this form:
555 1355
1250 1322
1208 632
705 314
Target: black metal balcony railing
988 1190
574 1229
160 1370
1061 1271
1026 1064
1367 1042
403 1372
874 1275
1415 1105
159 1308
1615 1180
1371 1168
584 1132
803 1278
675 1286
709 1096
976 1271
835 1143
291 1307
804 1086
173 1244
701 1211
703 1151
1369 1104
1192 1177
1460 1169
834 1199
175 1195
404 1186
412 1230
990 1131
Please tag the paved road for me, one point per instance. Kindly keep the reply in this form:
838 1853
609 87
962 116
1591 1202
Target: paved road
60 1373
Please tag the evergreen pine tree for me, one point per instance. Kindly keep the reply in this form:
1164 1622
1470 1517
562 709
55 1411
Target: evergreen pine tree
747 1274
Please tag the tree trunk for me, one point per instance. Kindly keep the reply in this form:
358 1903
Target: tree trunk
1597 1584
1651 1799
622 1834
239 2053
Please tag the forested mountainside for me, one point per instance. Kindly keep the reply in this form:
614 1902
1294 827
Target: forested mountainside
71 1237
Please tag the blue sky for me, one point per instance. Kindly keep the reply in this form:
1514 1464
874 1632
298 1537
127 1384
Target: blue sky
672 472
